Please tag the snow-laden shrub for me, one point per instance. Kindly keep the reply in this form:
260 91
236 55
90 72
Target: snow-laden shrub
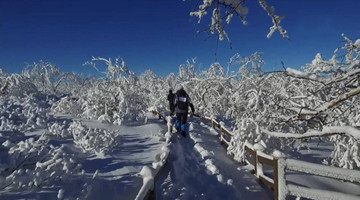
67 105
113 101
26 152
35 163
94 140
249 132
16 85
155 90
59 131
346 153
27 113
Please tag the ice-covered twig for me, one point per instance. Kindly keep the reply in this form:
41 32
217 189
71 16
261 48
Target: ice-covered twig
275 19
235 6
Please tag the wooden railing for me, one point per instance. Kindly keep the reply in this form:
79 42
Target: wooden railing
281 165
259 159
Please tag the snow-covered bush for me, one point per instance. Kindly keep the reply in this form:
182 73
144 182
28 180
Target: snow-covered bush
35 163
346 153
96 140
67 105
113 101
26 152
155 90
23 113
16 85
58 130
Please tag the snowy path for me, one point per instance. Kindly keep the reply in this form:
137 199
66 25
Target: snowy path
117 178
199 168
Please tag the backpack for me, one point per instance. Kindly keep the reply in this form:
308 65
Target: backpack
182 100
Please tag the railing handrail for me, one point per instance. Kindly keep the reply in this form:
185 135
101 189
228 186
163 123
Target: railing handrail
324 171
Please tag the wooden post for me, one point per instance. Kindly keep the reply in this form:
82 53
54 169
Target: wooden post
281 181
221 134
276 178
255 163
258 165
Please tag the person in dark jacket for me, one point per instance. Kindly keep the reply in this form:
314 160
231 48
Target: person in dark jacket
171 99
182 103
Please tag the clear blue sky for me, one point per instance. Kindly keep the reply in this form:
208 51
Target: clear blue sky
160 35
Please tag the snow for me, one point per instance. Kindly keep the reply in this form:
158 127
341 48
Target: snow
357 43
198 165
148 182
60 194
300 74
278 154
264 155
93 176
327 130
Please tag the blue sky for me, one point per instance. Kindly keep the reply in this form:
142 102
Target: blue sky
160 35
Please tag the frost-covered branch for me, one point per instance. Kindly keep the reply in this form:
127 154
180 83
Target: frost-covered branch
326 131
303 75
217 19
114 70
340 99
233 7
275 19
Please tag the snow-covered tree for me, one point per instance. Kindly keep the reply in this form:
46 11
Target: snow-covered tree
113 70
187 70
320 101
46 76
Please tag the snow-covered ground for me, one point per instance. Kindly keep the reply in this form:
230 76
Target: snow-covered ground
198 166
109 176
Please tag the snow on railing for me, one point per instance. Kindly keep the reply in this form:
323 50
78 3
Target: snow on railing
324 171
224 132
150 174
280 165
